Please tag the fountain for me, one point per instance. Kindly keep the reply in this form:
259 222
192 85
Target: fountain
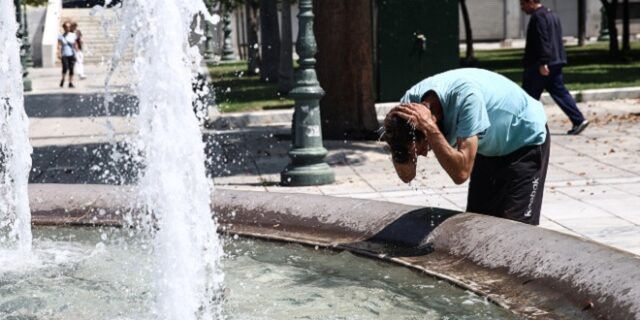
105 252
15 150
174 190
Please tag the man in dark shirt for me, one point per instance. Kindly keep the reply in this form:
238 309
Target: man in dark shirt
544 57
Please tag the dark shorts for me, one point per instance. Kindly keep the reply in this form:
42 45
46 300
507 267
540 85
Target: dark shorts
67 64
510 186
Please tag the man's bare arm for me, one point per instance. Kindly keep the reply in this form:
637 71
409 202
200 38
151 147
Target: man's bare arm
458 163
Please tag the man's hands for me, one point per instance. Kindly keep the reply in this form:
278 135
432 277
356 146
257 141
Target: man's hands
544 70
457 162
418 115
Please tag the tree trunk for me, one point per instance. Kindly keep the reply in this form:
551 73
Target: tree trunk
612 14
285 79
270 44
253 54
582 22
344 35
626 35
470 59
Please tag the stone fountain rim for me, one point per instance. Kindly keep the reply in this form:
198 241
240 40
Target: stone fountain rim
475 252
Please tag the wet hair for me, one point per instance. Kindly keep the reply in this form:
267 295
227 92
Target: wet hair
399 134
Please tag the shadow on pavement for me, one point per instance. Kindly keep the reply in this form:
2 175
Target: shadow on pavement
84 163
72 105
250 152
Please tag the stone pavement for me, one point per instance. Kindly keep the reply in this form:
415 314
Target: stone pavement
592 191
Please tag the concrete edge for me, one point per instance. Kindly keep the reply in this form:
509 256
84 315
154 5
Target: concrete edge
610 277
239 120
50 33
517 266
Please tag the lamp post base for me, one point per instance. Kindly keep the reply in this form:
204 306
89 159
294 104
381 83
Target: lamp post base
229 57
26 84
307 175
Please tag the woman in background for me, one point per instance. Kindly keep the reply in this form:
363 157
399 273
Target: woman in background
79 55
67 45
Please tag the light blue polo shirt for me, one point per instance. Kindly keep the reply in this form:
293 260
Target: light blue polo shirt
484 103
67 44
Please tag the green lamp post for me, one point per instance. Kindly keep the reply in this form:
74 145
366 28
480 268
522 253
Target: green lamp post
25 47
208 54
227 49
307 154
604 25
25 38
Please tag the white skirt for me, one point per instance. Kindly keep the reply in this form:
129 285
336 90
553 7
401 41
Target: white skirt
79 65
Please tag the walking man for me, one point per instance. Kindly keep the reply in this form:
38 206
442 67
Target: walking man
483 127
544 57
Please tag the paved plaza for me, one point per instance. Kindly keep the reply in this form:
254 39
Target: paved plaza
592 190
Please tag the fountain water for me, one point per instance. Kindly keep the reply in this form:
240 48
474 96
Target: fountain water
174 189
15 150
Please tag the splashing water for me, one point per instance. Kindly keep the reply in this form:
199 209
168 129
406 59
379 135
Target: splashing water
15 150
174 189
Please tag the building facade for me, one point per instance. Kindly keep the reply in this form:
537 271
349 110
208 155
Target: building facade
498 20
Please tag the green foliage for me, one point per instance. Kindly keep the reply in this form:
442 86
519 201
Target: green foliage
234 4
589 67
34 3
237 91
229 4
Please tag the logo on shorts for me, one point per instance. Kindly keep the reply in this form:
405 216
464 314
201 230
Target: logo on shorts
532 197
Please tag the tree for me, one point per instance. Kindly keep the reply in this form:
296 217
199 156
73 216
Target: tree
253 54
285 79
270 44
626 35
582 22
611 9
344 36
470 59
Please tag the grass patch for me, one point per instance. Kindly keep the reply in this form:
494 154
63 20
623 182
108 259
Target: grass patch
236 91
589 67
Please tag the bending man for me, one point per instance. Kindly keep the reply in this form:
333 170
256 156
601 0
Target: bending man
481 126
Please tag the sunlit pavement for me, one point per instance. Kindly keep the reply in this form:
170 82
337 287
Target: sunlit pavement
592 190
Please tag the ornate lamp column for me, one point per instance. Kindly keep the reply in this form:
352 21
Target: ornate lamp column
208 54
25 47
604 25
307 166
25 38
227 49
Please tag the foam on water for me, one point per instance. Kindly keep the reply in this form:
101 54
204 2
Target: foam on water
80 275
15 150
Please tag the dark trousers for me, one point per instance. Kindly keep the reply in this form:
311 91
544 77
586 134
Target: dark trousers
67 65
510 186
534 83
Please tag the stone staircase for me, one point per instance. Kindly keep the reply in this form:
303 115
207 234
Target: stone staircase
98 46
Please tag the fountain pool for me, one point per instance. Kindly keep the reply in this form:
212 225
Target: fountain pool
103 273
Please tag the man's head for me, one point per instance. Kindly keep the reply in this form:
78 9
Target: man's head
74 26
529 6
403 139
